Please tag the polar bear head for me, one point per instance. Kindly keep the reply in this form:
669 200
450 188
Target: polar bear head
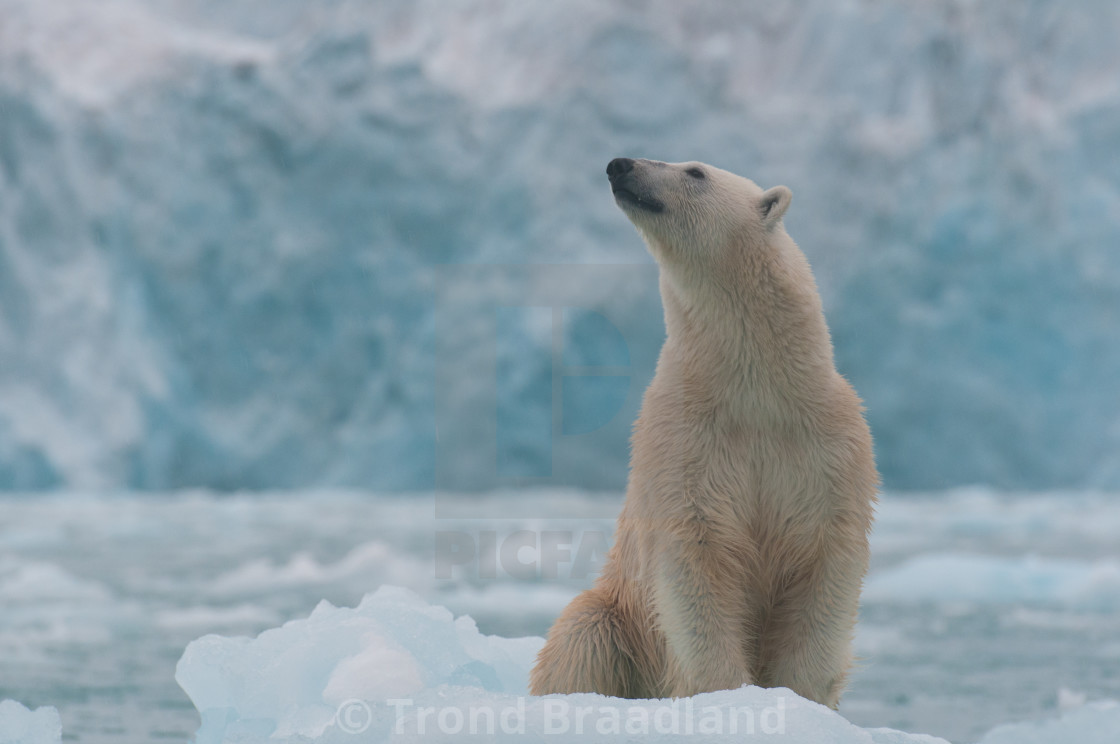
724 254
692 214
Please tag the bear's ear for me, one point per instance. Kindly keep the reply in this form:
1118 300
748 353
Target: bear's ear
773 204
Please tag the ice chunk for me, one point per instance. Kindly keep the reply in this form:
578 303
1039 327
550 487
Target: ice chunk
18 725
292 679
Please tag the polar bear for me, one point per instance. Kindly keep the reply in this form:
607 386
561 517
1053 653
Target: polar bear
742 543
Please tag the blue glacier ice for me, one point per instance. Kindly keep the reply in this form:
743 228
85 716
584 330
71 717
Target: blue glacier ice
266 243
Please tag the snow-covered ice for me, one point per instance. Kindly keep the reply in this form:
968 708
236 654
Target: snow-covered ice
398 669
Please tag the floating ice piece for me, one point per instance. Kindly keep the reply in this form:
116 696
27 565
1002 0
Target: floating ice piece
290 682
18 725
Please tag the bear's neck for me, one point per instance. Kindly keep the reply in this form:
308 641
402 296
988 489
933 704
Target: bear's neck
750 342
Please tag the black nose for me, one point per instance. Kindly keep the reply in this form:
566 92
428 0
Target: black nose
619 167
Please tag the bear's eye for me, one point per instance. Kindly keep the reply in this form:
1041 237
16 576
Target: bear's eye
695 173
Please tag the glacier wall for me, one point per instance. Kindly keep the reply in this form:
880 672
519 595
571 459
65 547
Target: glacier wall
275 243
